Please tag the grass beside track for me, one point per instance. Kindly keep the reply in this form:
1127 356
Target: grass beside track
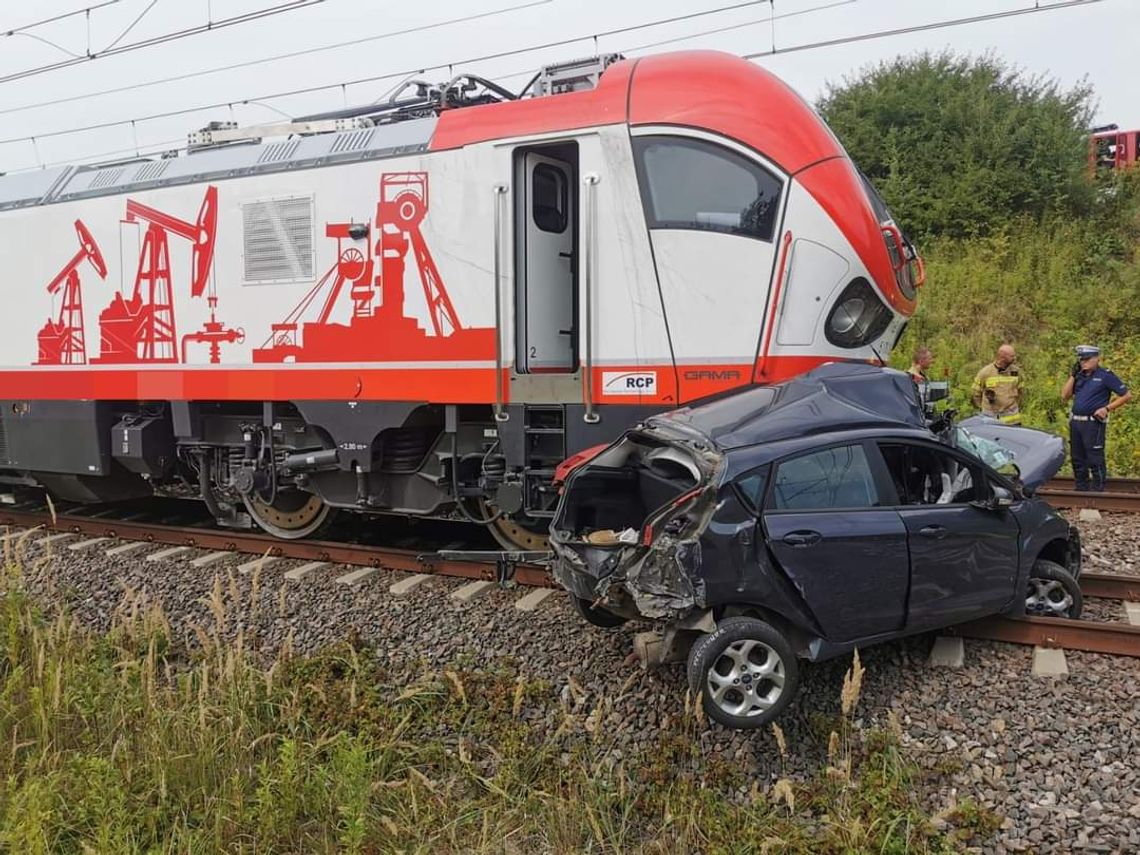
134 741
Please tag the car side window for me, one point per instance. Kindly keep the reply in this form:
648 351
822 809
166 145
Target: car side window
838 477
752 486
928 476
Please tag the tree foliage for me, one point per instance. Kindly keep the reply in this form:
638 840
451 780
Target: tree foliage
959 146
1045 286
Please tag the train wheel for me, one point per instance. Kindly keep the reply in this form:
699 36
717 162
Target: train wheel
520 534
294 514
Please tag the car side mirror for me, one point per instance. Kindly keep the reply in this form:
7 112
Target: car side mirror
1000 499
936 391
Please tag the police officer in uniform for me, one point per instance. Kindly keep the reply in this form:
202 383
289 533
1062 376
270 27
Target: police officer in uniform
1091 389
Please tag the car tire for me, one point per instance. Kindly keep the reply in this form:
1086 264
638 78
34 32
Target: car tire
762 650
596 616
1052 592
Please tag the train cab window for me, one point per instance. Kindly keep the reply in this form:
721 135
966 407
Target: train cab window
549 198
693 184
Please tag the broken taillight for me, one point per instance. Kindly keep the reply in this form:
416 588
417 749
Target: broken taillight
562 470
681 500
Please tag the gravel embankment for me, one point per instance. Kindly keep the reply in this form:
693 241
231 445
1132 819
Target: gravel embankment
1111 545
1055 757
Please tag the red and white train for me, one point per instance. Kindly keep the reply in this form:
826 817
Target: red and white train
420 307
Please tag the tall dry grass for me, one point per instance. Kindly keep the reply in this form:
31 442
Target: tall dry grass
137 741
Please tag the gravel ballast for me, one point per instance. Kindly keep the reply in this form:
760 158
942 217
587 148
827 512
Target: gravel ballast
1056 758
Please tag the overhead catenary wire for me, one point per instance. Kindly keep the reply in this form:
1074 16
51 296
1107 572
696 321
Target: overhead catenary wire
921 28
753 23
166 38
145 84
48 42
11 31
129 152
851 39
386 76
133 24
528 73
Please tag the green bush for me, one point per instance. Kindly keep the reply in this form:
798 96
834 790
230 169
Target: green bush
986 166
959 146
1045 288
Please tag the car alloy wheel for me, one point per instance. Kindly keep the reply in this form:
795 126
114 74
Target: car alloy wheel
745 671
746 679
1052 592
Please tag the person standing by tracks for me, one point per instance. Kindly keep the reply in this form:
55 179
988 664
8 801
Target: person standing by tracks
997 387
923 359
1091 389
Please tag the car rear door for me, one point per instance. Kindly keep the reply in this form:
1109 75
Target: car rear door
964 557
830 525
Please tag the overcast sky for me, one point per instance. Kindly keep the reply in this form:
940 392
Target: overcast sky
1099 41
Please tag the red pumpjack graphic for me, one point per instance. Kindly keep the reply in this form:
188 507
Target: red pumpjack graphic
62 341
382 332
142 328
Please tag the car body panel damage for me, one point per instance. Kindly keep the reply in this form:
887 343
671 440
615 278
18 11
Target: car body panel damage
807 518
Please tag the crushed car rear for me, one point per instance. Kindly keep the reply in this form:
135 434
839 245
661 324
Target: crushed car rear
627 537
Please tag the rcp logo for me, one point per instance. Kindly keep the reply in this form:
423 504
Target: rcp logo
629 382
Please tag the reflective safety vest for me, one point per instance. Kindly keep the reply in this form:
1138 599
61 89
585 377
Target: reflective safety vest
997 392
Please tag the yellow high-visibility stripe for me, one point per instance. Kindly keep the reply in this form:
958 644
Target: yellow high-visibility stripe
1000 380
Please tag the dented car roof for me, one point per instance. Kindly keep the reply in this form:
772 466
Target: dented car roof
840 396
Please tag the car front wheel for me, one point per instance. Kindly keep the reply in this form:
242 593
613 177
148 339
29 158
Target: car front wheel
745 671
1052 592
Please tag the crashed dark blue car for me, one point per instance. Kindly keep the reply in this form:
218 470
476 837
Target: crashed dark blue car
802 520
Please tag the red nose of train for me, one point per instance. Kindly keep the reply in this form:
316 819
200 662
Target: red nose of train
702 89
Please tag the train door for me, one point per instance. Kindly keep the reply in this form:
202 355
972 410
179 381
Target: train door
546 222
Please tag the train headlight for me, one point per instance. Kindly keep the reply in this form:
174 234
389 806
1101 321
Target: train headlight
858 317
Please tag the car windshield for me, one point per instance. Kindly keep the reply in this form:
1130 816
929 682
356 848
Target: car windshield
986 450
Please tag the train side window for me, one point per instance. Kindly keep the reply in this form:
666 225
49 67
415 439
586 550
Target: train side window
693 184
550 199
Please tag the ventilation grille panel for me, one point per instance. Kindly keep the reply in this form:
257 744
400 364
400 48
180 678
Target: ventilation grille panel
151 171
3 443
353 141
107 177
278 152
277 238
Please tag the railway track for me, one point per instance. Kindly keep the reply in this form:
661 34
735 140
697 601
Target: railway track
1122 494
203 535
1119 639
1116 638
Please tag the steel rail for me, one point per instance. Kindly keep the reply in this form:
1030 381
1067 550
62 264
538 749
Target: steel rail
1127 502
1112 485
1111 586
1117 639
387 558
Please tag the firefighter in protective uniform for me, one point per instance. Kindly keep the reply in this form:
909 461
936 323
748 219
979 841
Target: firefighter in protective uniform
1091 389
997 387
